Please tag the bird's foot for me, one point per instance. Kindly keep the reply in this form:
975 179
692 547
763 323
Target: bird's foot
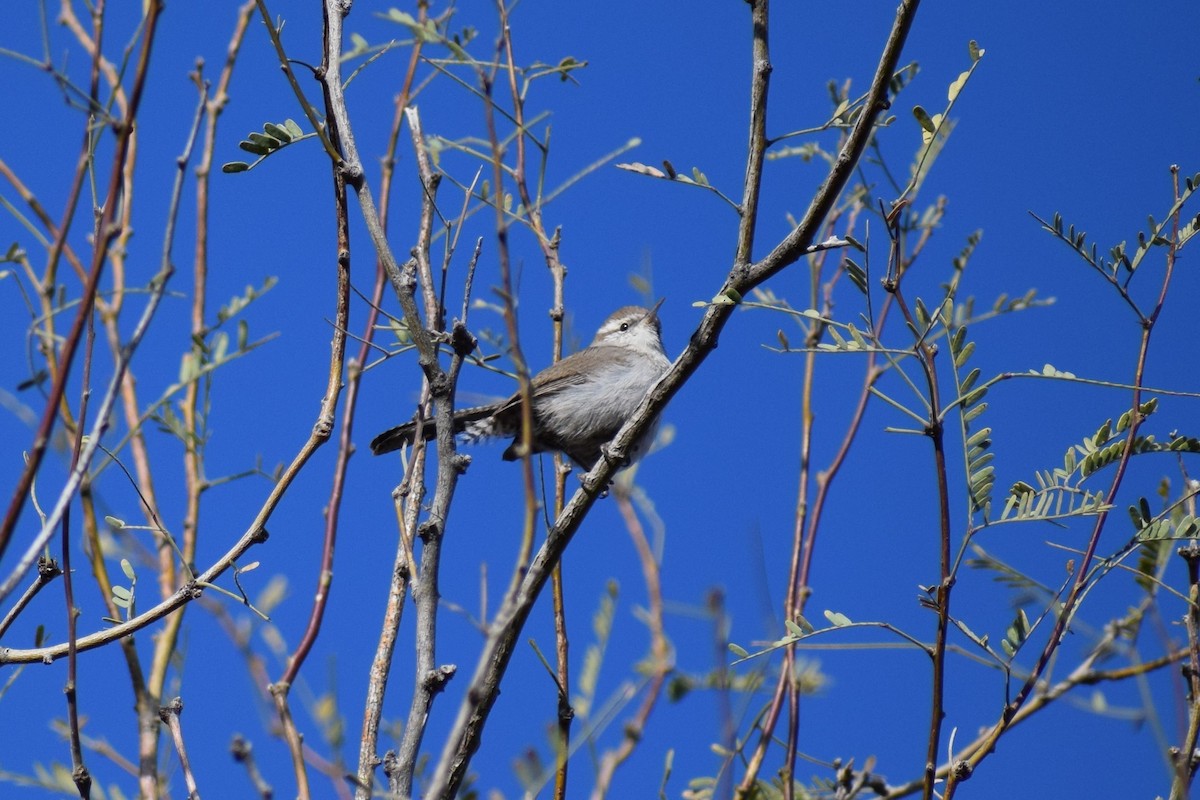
621 460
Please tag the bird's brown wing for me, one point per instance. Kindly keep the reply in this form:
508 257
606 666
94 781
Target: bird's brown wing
553 379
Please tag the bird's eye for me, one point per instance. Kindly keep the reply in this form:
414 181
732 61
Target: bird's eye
624 326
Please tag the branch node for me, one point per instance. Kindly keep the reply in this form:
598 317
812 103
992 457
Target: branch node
171 709
435 680
462 340
428 530
352 172
48 569
439 385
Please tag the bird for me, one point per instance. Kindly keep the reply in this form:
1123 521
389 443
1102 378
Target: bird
578 403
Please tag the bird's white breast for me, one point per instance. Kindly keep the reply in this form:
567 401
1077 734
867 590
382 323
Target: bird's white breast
608 397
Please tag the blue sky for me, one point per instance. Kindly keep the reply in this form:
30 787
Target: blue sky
1075 108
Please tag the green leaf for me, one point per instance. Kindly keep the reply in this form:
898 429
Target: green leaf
857 275
1020 488
738 650
838 620
459 53
976 411
254 147
857 336
956 339
921 313
1136 517
980 438
957 85
972 398
269 142
220 347
187 369
923 118
969 381
1187 528
402 17
277 132
964 355
635 166
1018 631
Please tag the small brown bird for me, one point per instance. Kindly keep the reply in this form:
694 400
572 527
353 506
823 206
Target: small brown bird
578 403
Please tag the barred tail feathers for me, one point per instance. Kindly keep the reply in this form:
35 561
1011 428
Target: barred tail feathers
475 422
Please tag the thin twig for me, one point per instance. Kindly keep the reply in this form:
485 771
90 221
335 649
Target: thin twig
243 752
169 714
48 570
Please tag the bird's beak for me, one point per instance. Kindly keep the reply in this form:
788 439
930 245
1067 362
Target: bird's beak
654 311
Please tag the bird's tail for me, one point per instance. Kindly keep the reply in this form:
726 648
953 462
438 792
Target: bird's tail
403 435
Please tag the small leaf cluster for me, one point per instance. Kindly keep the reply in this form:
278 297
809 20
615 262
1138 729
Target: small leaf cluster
123 597
1118 266
981 477
1168 526
1016 634
428 32
856 342
210 351
1059 492
669 173
1107 445
273 139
